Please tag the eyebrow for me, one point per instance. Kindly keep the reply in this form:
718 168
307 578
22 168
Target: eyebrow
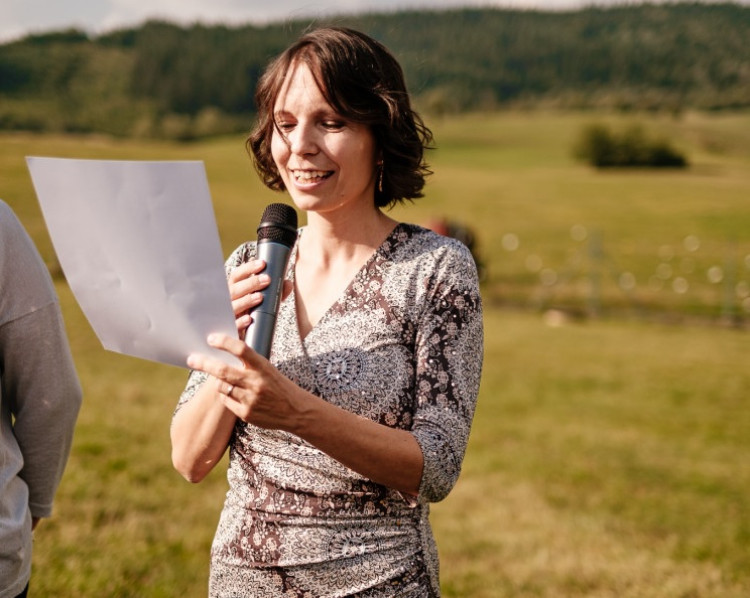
328 113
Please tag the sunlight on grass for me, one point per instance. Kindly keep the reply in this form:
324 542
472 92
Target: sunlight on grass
589 474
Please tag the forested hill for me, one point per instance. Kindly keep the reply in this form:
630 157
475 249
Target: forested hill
162 79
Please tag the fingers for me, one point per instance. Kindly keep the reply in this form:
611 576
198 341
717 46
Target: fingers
219 369
243 321
245 284
225 388
235 386
231 397
248 285
256 393
231 345
224 374
247 270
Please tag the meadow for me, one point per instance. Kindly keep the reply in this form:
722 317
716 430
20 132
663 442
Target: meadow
610 451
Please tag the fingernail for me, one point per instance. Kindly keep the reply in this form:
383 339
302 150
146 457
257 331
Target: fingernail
212 338
264 278
191 361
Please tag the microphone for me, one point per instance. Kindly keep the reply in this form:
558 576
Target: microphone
277 233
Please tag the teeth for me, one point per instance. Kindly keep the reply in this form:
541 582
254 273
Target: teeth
309 175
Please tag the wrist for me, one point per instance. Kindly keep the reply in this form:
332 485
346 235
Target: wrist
307 415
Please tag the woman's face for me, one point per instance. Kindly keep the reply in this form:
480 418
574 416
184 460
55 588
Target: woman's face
326 162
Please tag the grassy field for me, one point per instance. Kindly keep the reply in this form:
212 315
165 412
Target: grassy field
609 456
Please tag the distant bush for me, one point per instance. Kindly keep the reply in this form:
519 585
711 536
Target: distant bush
14 122
603 148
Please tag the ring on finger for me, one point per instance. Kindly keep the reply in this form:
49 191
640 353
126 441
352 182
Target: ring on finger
229 390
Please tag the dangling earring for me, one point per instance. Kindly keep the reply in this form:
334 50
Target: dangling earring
380 176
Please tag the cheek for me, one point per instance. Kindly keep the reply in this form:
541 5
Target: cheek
365 159
279 152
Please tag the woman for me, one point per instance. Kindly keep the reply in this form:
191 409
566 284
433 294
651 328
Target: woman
361 416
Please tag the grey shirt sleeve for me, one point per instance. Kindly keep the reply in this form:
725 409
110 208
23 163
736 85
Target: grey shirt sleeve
39 388
44 396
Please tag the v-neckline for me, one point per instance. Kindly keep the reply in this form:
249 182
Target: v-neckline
379 251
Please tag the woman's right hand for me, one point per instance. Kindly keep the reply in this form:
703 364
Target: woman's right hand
245 284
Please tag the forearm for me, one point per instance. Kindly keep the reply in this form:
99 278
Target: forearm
45 397
259 394
200 433
388 456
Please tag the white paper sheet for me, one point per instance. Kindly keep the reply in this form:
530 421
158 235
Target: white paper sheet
139 247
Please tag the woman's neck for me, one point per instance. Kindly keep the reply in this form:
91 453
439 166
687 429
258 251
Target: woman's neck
329 239
329 255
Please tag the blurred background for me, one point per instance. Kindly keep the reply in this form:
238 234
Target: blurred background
595 158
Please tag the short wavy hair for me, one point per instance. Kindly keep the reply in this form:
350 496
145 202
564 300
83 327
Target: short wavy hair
364 83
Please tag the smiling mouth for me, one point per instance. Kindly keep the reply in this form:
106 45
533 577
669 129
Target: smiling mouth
311 176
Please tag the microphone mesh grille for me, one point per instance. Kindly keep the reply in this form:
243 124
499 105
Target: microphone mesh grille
278 224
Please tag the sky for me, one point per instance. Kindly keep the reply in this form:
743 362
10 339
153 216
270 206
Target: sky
21 17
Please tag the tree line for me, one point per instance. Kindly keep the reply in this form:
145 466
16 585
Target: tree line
161 79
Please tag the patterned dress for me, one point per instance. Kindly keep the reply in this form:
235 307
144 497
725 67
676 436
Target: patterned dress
403 347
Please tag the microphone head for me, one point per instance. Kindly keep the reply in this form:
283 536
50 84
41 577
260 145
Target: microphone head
278 224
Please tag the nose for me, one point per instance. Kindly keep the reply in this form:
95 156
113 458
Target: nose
302 140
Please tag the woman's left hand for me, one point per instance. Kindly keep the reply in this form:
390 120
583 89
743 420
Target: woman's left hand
256 393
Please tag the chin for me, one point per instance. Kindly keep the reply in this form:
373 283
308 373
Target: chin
305 203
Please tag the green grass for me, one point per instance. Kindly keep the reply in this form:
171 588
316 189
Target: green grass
606 459
609 456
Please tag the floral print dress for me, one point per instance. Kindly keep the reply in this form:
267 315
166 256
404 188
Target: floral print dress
403 347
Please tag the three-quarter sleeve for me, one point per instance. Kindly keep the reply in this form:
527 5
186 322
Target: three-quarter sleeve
449 350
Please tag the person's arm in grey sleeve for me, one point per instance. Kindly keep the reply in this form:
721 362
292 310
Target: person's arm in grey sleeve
39 386
46 397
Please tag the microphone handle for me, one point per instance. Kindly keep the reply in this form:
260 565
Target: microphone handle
259 334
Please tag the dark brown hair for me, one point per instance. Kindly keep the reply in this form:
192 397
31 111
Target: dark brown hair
364 83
